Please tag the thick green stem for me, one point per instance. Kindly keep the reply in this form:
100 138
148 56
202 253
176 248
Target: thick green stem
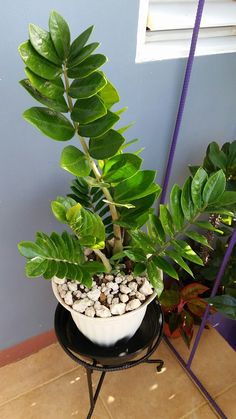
104 259
118 247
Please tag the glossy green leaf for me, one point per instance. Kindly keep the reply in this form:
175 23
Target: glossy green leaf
198 182
82 55
60 34
109 95
169 299
217 156
156 229
186 200
175 207
105 146
121 167
142 240
36 267
179 260
98 127
42 43
165 266
37 63
58 104
51 123
186 251
137 186
95 183
207 226
52 89
60 207
80 42
139 268
214 187
227 198
225 304
155 277
29 249
197 237
74 161
88 86
88 110
166 221
87 67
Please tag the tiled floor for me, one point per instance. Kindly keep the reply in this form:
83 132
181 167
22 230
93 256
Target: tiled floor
49 385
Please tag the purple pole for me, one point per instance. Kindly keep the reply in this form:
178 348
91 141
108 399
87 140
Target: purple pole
213 293
182 99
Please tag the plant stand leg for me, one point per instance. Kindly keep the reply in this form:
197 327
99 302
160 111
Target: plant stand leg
93 398
159 363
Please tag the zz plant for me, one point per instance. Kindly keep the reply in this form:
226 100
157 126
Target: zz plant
112 196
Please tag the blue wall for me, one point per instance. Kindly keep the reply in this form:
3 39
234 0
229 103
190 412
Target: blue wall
30 174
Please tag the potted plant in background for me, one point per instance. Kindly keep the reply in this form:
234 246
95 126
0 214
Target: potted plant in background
107 270
190 296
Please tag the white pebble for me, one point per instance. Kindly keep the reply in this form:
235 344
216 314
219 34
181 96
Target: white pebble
90 312
107 292
109 277
124 289
118 308
103 311
114 292
83 295
124 281
133 304
115 286
132 294
81 305
110 285
68 298
146 288
78 294
118 280
100 276
62 293
129 278
59 281
82 287
88 252
133 286
139 280
72 286
94 294
124 298
140 296
64 287
97 304
109 299
115 300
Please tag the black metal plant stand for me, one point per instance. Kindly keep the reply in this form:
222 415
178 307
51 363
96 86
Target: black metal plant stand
96 358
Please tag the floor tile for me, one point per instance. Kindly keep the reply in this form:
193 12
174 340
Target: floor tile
22 376
203 412
63 398
214 362
227 402
142 393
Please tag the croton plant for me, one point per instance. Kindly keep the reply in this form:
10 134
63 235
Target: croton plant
111 196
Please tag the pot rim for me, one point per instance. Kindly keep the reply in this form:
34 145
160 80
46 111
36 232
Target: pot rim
112 318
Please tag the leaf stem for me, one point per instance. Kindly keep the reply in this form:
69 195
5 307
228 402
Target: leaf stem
118 246
104 259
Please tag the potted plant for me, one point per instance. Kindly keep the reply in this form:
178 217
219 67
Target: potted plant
107 270
184 302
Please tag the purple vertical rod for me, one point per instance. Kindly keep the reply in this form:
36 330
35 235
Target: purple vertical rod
213 293
182 99
195 379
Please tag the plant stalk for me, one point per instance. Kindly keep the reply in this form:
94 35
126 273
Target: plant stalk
104 259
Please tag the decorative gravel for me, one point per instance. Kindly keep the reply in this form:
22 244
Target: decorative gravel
110 295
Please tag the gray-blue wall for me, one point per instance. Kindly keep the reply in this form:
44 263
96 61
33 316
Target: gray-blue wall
30 174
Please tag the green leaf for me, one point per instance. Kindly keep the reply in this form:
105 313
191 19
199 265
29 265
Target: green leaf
156 229
61 206
58 104
165 266
109 95
37 63
79 42
36 267
175 207
105 146
51 123
178 259
227 198
197 237
214 187
82 55
121 167
186 200
88 110
141 239
197 306
95 183
139 269
74 161
198 182
98 127
169 299
52 89
42 43
207 226
166 221
60 34
29 249
186 251
88 86
217 157
193 290
87 67
155 277
225 304
129 143
117 204
137 186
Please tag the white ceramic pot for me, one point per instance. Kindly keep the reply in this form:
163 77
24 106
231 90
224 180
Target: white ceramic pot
107 331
